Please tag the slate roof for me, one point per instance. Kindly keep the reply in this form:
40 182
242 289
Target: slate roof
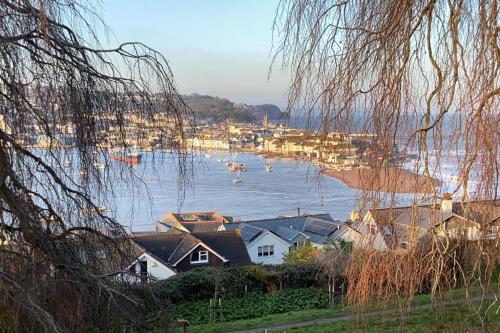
202 226
395 224
483 211
187 243
228 244
287 228
249 232
161 245
294 222
169 247
287 233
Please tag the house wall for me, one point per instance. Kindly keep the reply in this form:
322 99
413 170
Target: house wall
281 247
372 238
186 265
300 238
155 268
354 237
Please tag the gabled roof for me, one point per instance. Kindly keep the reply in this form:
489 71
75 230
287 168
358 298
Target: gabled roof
320 227
187 244
396 224
484 211
172 246
229 244
287 233
287 228
161 245
294 222
249 232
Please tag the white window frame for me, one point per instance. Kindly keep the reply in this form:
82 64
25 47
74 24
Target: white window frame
491 231
265 251
200 260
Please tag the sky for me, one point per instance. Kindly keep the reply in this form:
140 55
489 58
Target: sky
214 47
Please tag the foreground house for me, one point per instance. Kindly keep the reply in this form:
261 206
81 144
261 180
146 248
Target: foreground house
402 227
268 240
161 255
263 246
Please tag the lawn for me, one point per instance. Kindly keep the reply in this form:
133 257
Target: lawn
455 318
282 318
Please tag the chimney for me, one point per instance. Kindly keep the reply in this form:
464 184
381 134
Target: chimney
354 215
446 204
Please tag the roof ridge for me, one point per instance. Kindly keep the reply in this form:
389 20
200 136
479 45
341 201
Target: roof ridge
186 235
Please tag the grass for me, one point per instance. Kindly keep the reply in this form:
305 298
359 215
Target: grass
416 322
454 318
282 318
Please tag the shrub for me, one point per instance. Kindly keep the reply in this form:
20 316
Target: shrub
209 282
253 305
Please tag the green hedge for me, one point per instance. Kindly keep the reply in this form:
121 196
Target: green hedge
253 305
205 283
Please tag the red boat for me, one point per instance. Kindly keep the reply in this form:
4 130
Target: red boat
129 158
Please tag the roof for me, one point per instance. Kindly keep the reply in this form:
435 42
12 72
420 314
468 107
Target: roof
249 232
228 244
202 226
170 247
483 211
187 244
317 227
320 227
294 222
287 233
203 216
161 245
403 223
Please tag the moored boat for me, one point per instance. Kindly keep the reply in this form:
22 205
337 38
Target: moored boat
127 157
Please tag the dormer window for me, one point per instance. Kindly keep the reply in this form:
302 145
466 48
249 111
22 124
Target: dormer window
199 257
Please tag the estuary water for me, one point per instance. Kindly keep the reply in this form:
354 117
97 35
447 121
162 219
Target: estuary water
292 185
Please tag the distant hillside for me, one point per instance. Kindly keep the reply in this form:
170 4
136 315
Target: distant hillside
219 109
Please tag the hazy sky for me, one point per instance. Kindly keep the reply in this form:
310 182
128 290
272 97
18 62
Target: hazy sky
215 47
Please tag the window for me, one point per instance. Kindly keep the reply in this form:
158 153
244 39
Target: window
387 231
265 251
199 257
491 231
295 244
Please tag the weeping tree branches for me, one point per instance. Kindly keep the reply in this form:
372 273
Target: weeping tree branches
57 245
424 75
426 72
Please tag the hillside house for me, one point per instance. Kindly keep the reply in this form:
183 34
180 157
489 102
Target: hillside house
161 255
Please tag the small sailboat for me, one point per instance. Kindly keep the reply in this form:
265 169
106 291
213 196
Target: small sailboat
237 179
269 168
100 166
